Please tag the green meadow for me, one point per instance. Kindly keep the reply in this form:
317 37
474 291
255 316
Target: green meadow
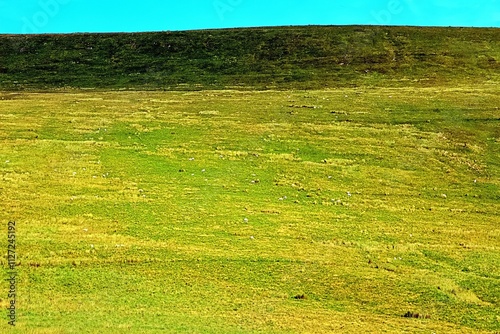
353 210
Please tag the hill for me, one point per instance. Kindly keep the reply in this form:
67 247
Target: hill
286 57
368 208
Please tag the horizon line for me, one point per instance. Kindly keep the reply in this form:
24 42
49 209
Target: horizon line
251 27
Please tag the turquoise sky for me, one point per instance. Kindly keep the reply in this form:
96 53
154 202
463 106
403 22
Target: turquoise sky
65 16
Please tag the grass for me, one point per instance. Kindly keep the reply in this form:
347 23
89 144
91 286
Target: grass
249 211
314 57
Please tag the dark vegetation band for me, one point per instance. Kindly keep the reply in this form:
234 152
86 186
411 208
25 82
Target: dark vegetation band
254 58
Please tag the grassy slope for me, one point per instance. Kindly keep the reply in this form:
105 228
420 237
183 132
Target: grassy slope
295 57
171 250
121 229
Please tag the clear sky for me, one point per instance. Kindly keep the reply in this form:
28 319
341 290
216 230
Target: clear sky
66 16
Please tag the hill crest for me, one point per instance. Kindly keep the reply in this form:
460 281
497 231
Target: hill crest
257 58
